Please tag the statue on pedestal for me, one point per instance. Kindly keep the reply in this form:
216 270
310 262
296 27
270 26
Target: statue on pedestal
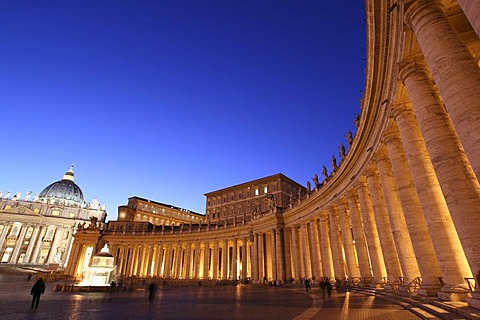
349 137
315 180
334 163
342 151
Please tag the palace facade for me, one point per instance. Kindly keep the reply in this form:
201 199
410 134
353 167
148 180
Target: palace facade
401 209
38 230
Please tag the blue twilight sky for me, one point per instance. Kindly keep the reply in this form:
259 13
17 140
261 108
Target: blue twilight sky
168 100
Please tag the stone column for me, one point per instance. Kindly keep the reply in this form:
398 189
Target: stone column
225 260
279 256
471 9
140 263
371 234
455 71
198 259
72 263
455 175
39 245
244 258
234 272
315 250
6 228
261 257
273 255
31 245
383 225
188 261
206 261
296 257
18 244
287 253
167 269
346 228
179 256
159 261
359 235
215 261
254 249
326 249
403 242
445 240
305 251
416 222
336 243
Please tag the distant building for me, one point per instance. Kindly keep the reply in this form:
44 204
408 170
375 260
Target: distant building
243 202
38 230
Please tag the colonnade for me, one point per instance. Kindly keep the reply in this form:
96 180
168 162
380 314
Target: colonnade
34 243
401 210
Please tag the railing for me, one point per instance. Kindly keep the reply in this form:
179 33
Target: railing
414 285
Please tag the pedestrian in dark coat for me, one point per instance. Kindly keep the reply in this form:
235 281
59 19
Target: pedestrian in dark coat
37 290
152 289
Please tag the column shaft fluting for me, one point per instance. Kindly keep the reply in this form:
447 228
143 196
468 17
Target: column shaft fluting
455 71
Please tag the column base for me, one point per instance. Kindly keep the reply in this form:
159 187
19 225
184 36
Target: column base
378 285
454 292
474 300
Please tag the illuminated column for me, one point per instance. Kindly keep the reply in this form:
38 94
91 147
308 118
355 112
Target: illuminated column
336 243
273 256
72 263
160 257
371 234
119 261
215 261
31 244
472 12
225 260
18 244
455 175
416 222
261 257
142 255
297 261
400 230
167 269
244 258
234 274
307 269
255 274
346 228
383 225
188 261
6 228
358 234
38 245
179 255
455 71
53 246
445 240
206 261
315 250
198 259
326 249
279 256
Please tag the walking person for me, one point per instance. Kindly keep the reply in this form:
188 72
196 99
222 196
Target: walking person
152 289
328 285
37 290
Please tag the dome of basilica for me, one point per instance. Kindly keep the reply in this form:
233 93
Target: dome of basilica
63 192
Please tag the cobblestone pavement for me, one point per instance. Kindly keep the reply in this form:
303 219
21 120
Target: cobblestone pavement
175 302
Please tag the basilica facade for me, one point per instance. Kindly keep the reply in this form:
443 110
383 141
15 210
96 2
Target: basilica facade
401 208
38 230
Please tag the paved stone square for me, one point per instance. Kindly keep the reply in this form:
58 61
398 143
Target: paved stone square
177 302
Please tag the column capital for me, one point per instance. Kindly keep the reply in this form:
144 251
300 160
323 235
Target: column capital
411 67
399 108
362 182
391 133
372 170
342 201
421 8
382 154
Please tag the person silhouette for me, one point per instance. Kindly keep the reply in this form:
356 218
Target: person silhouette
37 290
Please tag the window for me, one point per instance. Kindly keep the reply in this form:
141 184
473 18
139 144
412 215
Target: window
55 213
265 189
28 235
256 191
15 229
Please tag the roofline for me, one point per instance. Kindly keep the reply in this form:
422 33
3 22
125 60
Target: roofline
267 178
170 206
